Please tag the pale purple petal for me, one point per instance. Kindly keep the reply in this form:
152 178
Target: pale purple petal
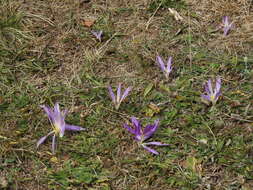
160 62
225 20
125 94
225 31
73 128
118 93
209 85
111 94
57 108
217 88
48 111
42 139
150 150
156 144
217 95
53 144
206 97
169 64
150 130
137 126
97 34
218 84
129 128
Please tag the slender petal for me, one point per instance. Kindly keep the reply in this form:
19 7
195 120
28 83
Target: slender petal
125 94
225 20
169 64
129 128
48 111
119 93
42 139
206 97
53 144
57 108
137 126
111 94
150 150
73 128
156 144
160 62
150 130
218 85
209 85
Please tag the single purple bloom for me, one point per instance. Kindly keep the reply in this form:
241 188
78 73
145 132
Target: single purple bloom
98 34
141 135
118 98
212 95
165 69
226 25
57 120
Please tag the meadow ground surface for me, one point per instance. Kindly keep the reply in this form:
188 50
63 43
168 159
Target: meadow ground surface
48 55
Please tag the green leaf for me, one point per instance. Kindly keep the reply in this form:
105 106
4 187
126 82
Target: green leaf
148 89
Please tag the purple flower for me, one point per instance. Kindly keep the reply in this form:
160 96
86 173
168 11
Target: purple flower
226 25
165 69
118 99
141 135
98 34
212 95
57 120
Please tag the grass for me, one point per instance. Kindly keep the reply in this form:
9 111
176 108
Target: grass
47 55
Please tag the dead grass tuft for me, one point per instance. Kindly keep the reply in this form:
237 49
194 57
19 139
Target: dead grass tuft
210 13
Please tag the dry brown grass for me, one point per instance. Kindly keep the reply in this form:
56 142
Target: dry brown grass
127 54
210 13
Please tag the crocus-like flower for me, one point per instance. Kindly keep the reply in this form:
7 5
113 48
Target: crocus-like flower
212 95
165 69
118 99
57 120
98 34
226 25
141 135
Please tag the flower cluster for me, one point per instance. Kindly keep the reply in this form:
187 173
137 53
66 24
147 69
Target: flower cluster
141 135
226 25
212 94
118 98
57 118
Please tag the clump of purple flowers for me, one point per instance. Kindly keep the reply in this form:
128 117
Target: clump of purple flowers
98 34
141 135
166 69
226 25
212 95
118 98
57 120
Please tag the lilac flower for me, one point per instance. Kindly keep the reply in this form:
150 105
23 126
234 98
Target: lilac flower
166 69
98 34
212 95
141 135
57 120
118 99
226 25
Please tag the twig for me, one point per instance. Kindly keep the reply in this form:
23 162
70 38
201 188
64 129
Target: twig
105 44
239 119
189 40
149 20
